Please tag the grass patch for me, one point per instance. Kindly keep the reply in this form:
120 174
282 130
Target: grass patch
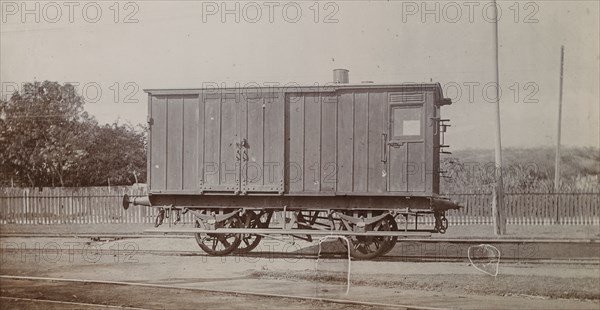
503 285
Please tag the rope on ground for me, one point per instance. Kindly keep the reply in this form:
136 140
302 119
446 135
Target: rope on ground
338 237
492 255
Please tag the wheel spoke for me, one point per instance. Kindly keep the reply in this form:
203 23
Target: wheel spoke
220 244
369 247
249 241
225 242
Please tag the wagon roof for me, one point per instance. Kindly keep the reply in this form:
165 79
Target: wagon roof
299 88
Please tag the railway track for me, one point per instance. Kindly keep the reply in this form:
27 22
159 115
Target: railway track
62 303
91 236
559 251
166 281
299 256
188 236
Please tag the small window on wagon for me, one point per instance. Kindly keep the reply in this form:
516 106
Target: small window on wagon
406 122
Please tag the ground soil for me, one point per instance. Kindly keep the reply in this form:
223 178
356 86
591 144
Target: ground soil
433 284
144 297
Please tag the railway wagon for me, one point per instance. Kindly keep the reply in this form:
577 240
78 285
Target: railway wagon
355 160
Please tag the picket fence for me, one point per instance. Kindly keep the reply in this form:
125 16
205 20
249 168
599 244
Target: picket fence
101 205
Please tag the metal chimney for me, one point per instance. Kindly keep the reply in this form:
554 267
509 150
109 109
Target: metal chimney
340 76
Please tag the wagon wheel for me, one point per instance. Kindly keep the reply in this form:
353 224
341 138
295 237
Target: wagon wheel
441 222
444 225
220 244
250 241
390 241
369 247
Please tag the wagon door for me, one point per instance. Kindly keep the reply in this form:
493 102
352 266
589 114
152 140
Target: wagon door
406 144
221 152
173 143
262 131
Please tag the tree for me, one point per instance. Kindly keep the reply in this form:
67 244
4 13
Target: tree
118 153
44 133
47 139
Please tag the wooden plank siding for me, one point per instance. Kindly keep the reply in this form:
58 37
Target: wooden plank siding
303 141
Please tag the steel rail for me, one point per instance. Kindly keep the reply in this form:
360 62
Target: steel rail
88 235
71 303
187 236
299 255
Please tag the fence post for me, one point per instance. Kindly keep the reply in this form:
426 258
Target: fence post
26 206
557 219
70 213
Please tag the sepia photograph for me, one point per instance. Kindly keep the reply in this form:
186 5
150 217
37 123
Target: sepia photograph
302 154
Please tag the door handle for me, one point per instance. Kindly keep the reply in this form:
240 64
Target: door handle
384 147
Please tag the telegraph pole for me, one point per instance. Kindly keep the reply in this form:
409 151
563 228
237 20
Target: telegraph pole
557 159
498 198
560 97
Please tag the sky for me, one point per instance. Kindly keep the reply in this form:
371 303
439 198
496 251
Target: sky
114 50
